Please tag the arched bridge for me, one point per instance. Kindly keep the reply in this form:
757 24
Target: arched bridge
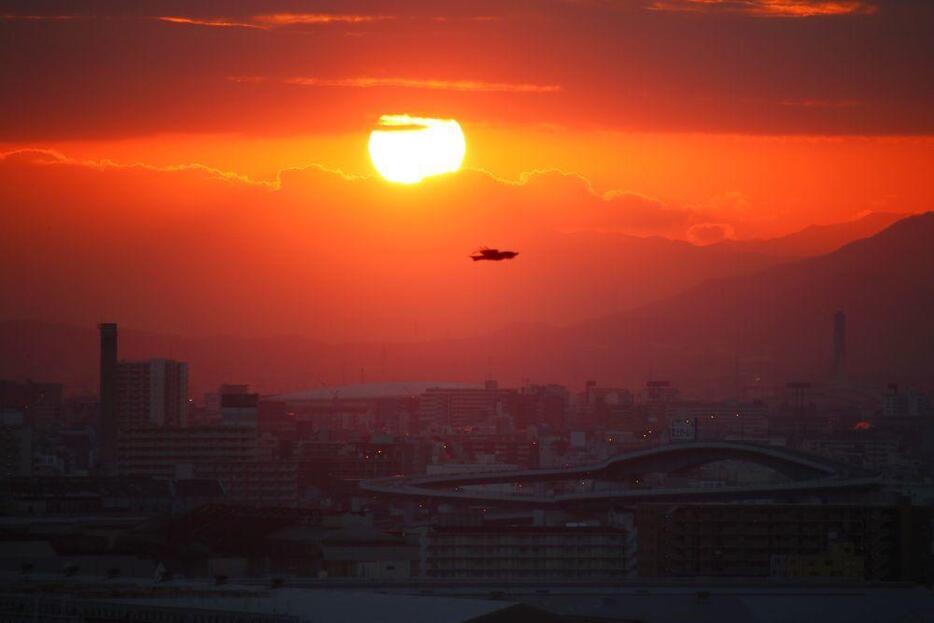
670 458
804 472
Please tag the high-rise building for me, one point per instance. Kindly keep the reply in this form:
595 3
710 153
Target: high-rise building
151 393
108 395
238 406
838 367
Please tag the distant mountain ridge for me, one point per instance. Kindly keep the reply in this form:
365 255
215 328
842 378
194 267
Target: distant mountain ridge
783 315
817 239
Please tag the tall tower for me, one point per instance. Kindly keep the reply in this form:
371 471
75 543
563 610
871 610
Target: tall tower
108 396
838 367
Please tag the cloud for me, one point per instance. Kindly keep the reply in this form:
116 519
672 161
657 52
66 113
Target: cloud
668 89
710 233
40 156
728 205
214 23
292 19
635 212
276 20
247 79
545 199
442 19
768 8
367 82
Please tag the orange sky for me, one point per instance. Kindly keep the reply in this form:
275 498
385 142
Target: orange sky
220 151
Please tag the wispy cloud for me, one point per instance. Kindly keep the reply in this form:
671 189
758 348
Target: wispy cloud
247 79
291 19
215 23
276 20
768 8
472 18
366 82
43 156
710 233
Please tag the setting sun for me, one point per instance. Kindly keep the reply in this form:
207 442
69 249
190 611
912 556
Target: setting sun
407 149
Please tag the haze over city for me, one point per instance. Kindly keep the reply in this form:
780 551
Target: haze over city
411 295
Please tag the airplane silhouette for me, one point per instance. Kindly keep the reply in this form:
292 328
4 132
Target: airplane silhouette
493 255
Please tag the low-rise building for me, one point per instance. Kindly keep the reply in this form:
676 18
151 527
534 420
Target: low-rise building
237 456
762 540
15 445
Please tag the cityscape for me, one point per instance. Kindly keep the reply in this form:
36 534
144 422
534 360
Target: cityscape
558 311
538 495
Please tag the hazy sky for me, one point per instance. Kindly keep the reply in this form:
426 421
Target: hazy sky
188 150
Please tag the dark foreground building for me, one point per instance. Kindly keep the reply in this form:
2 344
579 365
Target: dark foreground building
879 543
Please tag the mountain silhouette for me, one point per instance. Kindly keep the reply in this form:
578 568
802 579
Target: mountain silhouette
782 316
817 239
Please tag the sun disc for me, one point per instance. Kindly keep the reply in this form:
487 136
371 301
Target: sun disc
407 149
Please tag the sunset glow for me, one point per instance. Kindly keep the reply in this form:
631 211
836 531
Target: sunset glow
317 146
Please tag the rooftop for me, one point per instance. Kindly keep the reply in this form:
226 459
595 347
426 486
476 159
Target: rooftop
365 391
